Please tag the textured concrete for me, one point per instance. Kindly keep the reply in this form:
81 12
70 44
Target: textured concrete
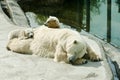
14 66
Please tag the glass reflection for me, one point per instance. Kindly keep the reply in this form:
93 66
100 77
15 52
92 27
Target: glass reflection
90 15
115 26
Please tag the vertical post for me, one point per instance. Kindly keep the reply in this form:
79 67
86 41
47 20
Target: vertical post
108 20
87 15
118 2
80 14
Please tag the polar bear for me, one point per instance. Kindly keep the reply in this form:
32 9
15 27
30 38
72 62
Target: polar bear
52 22
64 45
19 46
21 34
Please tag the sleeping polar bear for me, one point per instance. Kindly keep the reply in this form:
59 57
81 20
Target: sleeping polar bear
19 40
64 45
21 33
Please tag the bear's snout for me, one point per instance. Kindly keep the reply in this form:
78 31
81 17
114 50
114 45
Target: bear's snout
30 35
72 59
45 24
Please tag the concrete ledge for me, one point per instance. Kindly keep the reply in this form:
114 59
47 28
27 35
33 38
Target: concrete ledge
112 55
27 67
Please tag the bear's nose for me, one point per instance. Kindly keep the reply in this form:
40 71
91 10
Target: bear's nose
72 59
31 35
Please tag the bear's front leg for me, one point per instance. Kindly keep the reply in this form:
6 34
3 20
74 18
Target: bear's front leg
93 55
60 55
94 52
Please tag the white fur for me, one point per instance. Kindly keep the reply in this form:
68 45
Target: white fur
20 33
19 46
61 44
93 49
52 22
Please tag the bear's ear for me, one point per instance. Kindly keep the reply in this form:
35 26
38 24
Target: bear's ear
50 16
75 42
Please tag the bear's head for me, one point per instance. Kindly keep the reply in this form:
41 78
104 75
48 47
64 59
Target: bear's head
52 22
29 33
75 50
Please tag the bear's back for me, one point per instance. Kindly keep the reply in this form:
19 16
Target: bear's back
55 33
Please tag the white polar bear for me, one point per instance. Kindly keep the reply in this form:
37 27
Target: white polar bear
19 46
64 45
52 22
21 34
19 40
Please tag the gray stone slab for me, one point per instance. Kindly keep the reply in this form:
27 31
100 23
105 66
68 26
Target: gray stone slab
27 67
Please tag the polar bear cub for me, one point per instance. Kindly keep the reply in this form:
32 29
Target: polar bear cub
21 34
64 45
52 22
19 40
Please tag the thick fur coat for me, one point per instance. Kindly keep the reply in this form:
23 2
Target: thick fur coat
64 45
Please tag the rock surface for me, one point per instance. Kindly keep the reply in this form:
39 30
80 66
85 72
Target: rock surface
16 13
15 66
33 20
